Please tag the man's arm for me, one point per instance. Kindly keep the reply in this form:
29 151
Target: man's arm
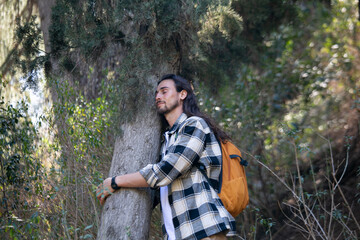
179 159
131 180
180 156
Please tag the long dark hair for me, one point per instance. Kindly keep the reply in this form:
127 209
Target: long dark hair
190 106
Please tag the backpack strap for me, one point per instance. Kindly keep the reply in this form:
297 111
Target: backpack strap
242 162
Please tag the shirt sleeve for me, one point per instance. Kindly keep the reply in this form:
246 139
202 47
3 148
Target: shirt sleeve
180 156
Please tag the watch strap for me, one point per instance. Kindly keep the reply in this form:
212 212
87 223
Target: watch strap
113 184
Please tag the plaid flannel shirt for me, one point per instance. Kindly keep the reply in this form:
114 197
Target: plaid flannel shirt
196 208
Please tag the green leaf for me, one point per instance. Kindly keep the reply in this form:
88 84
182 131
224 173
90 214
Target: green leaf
88 227
86 236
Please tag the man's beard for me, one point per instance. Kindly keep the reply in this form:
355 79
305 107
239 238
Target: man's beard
167 109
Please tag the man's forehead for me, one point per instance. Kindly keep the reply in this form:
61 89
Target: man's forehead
165 84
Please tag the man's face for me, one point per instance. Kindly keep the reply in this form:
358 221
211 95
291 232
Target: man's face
166 97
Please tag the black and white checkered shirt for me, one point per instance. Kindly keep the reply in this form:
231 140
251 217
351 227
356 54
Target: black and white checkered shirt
196 208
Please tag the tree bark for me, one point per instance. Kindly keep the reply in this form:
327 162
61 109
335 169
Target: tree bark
45 20
126 214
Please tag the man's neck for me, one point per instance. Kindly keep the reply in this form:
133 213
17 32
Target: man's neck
172 116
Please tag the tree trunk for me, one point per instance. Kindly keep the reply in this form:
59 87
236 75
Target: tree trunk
45 20
126 214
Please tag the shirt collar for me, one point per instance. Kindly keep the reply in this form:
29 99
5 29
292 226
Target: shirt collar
178 123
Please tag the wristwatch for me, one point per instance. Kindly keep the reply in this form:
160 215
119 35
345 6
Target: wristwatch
113 184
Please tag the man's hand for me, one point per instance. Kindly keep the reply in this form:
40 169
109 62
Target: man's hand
104 190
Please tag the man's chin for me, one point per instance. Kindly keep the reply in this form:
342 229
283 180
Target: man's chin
162 111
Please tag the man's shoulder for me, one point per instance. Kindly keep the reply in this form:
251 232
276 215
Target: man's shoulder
196 121
194 118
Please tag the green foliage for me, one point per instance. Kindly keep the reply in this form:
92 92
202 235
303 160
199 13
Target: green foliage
17 146
29 58
233 33
263 17
291 75
139 33
89 26
87 131
22 173
86 122
266 223
276 108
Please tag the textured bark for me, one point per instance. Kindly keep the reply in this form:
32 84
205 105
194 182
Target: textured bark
45 20
126 214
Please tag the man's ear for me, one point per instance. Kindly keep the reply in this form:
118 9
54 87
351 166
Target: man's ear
183 94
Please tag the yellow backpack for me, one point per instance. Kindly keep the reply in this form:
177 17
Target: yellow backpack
233 190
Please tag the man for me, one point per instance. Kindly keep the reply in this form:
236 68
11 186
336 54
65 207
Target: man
190 204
